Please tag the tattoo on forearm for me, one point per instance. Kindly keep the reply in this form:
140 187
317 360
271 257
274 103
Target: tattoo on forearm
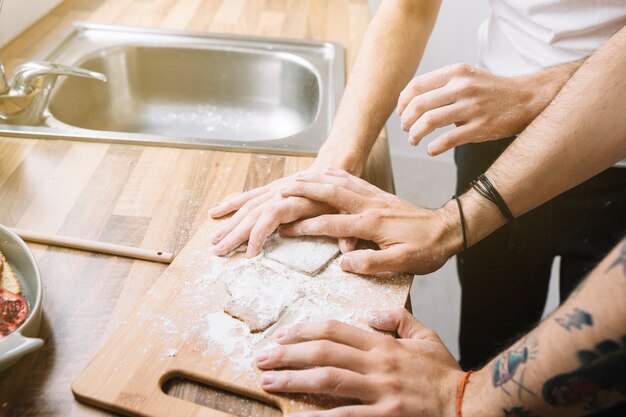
619 261
509 367
576 319
599 381
518 412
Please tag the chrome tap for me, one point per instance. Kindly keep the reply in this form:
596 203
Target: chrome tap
4 85
25 101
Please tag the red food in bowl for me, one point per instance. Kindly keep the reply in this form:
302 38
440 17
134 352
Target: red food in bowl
13 312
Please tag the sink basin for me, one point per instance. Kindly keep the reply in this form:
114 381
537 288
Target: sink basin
191 89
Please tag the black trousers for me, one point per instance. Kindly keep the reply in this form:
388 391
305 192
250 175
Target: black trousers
504 290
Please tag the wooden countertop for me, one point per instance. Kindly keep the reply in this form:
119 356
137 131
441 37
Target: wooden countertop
150 197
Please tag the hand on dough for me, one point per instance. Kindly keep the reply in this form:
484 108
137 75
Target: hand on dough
257 214
411 238
414 375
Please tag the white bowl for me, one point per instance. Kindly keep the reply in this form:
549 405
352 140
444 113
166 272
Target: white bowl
22 341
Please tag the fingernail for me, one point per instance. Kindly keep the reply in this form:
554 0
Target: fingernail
268 378
218 236
217 250
262 356
346 263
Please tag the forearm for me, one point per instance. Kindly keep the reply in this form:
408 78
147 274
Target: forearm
572 364
538 89
581 133
389 55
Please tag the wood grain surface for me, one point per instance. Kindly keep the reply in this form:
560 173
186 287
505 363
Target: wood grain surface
179 328
130 195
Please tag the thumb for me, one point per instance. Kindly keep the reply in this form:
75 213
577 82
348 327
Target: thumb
400 321
369 261
347 244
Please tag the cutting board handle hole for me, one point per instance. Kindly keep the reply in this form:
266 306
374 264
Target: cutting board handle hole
218 398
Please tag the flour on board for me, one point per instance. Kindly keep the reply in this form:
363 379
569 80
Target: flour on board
308 254
259 295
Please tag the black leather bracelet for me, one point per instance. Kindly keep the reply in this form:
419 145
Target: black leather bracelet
485 188
458 203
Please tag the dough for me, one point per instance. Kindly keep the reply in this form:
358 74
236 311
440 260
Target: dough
259 295
308 254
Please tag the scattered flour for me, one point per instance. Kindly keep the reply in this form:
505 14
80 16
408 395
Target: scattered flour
206 284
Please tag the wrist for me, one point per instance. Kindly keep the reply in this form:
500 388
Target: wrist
481 217
452 229
348 160
478 398
537 90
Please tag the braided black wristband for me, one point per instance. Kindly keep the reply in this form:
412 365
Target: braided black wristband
458 203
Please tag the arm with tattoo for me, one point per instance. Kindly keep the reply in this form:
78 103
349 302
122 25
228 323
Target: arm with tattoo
572 364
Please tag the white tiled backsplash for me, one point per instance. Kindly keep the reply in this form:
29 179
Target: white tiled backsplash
18 15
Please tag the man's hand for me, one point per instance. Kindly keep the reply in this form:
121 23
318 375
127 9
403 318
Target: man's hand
411 238
258 214
483 106
412 376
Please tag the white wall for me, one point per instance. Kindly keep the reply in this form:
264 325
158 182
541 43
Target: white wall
18 15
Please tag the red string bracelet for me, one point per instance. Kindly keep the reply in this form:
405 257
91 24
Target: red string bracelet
459 399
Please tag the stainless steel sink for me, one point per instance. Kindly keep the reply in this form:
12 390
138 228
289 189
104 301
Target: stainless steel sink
193 90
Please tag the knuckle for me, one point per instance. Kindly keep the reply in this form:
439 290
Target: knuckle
275 210
330 190
465 86
390 363
365 264
388 344
329 378
329 327
323 224
285 380
295 332
279 353
411 87
463 69
430 334
321 350
427 120
394 407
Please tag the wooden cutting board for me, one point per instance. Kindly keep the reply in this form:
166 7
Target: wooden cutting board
179 329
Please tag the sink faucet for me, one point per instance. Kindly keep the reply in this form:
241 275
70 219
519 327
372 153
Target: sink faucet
25 99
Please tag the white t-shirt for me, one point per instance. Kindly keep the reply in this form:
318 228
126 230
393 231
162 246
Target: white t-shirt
523 36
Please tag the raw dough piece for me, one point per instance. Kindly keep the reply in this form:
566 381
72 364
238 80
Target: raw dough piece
308 254
259 296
